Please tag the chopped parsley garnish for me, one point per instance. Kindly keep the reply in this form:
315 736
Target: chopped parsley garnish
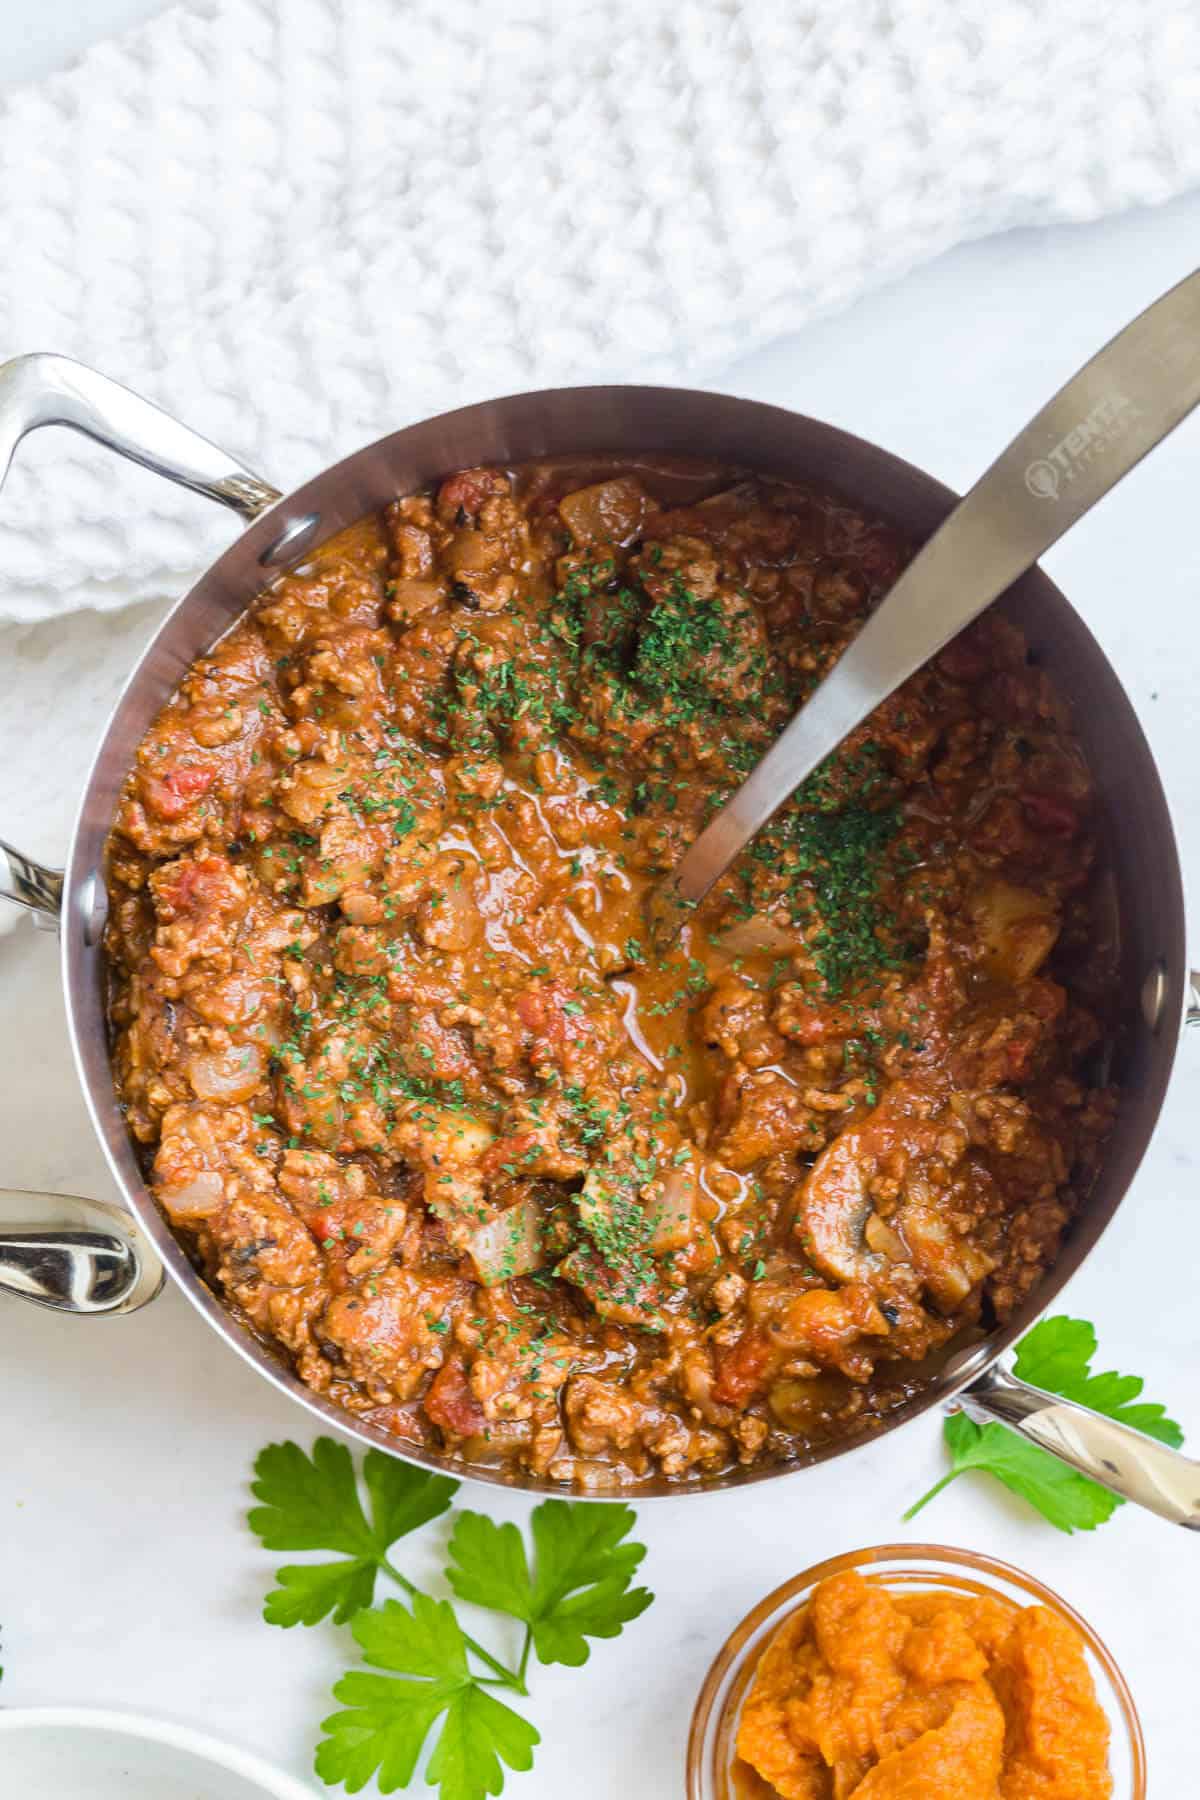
832 866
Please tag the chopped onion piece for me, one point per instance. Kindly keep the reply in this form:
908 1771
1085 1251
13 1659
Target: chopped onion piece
1016 926
670 1207
232 1074
608 512
758 937
594 1201
195 1199
511 1244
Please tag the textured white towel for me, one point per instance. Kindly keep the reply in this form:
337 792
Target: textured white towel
301 223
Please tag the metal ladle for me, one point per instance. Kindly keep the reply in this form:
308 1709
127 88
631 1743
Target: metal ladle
1096 428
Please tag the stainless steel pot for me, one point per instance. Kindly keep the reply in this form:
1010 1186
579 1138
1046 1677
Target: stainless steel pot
93 1262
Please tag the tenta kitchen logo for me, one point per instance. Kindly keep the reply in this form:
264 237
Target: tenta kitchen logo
1108 420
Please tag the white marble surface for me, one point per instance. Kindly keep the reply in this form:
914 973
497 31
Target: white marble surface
126 1575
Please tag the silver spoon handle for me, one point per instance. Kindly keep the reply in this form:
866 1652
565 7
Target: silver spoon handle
1092 433
1128 1462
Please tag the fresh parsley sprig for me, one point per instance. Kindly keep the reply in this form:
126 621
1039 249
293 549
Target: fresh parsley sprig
1056 1355
578 1586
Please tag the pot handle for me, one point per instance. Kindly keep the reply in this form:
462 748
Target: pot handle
92 1261
41 389
31 885
1125 1461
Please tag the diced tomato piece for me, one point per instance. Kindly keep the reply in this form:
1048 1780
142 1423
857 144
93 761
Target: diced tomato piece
466 493
451 1404
398 1421
1047 812
810 1024
334 1220
170 795
1018 1052
1003 831
533 1010
200 887
508 1150
552 1014
744 1367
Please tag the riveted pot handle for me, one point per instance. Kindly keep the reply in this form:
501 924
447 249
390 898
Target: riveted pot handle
91 1261
1125 1461
54 390
31 884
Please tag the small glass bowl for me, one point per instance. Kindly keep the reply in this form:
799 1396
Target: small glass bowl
711 1742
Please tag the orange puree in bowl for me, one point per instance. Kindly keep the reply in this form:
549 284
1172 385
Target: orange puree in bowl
924 1696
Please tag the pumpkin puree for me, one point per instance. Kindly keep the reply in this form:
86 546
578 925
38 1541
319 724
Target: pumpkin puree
924 1696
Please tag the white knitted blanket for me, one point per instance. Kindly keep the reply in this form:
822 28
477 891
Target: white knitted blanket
299 224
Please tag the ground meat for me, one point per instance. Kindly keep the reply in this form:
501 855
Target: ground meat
406 1077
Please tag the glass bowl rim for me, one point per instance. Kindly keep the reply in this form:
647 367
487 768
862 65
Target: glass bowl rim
974 1561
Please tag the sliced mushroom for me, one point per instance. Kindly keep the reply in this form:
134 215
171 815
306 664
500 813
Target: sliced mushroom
949 1265
883 1238
906 1137
835 1205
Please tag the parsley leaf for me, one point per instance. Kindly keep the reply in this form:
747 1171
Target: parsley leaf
426 1641
381 1733
480 1732
387 1722
581 1587
1067 1499
312 1503
489 1565
1056 1355
310 1592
